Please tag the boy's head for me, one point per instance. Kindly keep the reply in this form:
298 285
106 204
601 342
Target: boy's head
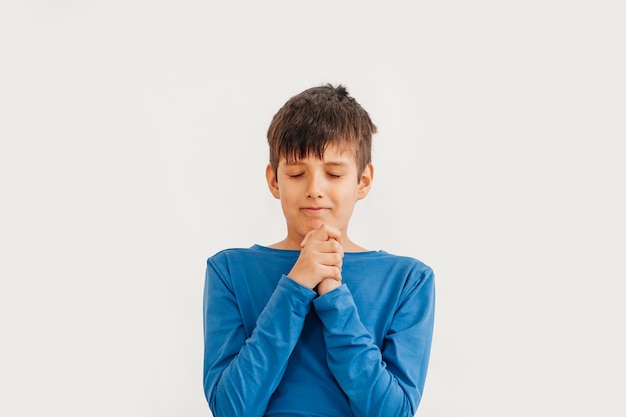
319 117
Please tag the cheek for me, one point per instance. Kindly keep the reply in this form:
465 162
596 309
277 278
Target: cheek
287 197
351 191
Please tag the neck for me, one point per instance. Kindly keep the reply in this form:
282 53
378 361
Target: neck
291 243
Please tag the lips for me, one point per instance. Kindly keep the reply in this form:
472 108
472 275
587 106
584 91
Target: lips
315 211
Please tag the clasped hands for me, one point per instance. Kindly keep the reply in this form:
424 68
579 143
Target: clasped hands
319 265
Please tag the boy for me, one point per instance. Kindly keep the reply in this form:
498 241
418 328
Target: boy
316 325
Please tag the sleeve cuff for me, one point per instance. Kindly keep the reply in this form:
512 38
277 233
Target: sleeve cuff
336 299
302 292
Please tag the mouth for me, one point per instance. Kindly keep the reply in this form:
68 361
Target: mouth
315 211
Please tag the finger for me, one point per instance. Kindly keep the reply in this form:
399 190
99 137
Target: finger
331 259
327 285
306 238
326 232
333 233
332 272
330 246
338 247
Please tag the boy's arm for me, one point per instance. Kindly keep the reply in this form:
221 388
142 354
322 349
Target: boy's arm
387 381
241 375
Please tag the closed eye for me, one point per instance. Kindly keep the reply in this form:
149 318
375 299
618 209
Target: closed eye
330 174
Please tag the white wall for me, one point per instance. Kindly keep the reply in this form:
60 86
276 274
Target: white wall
133 147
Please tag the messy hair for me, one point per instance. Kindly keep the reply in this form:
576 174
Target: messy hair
317 117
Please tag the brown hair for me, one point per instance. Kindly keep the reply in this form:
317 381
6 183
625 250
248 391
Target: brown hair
320 116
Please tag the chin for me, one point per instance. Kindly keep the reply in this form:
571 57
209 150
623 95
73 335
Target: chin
315 224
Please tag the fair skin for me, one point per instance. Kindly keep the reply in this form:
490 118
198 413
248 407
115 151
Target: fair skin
317 197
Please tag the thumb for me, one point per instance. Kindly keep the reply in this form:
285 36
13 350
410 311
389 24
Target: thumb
306 238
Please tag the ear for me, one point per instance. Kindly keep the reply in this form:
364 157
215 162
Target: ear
365 183
272 181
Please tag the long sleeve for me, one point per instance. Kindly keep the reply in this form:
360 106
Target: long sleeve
240 374
386 381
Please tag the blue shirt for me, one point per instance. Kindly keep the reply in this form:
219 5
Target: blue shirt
274 348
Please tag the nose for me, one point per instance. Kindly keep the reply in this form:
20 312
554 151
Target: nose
314 187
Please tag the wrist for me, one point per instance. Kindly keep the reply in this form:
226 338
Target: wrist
299 280
327 285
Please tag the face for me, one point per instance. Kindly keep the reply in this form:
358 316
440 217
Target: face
315 191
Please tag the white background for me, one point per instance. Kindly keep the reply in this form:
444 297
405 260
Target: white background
133 147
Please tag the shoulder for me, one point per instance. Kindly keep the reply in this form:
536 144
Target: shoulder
227 263
253 252
390 261
228 256
402 259
225 254
416 278
386 271
253 257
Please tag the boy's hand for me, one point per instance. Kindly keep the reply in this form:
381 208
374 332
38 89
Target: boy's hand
327 285
320 259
